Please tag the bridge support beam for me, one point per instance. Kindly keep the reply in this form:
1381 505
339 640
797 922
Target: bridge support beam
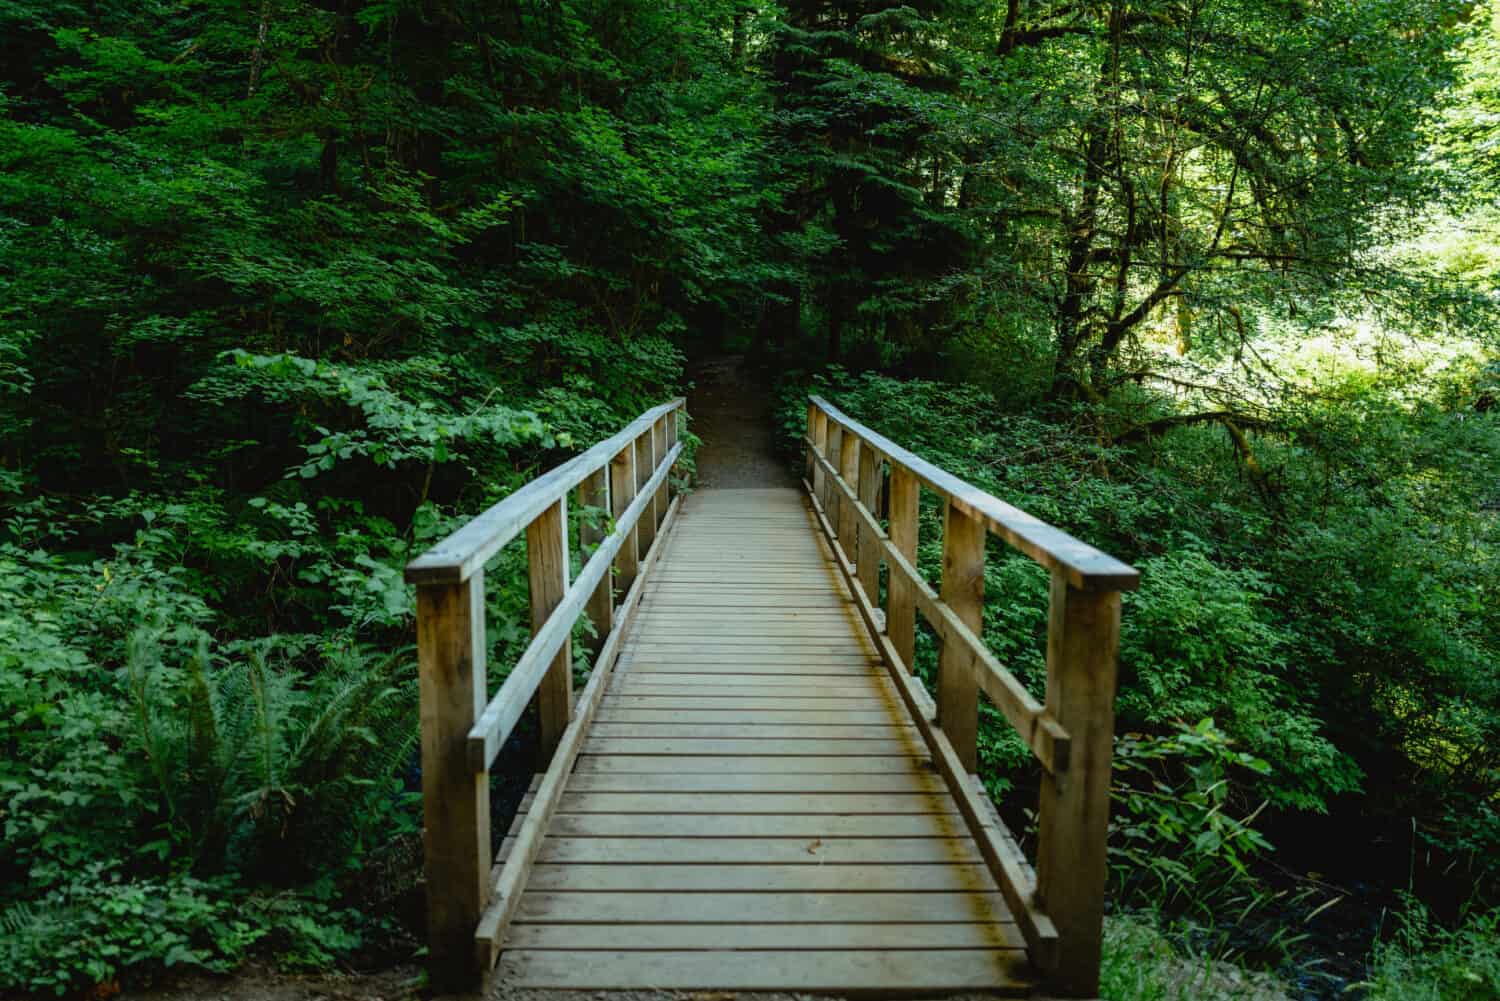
963 591
1083 639
455 796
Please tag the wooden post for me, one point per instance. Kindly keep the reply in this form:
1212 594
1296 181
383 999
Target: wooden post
645 465
621 493
901 599
962 591
594 492
830 498
868 489
455 797
1083 641
659 437
848 464
672 437
817 422
547 559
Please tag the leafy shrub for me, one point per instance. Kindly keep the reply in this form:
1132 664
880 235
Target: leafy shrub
1423 961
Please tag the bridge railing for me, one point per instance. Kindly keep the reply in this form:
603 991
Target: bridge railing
852 474
462 727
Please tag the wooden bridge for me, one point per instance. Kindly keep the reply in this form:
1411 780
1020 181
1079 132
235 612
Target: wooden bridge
753 791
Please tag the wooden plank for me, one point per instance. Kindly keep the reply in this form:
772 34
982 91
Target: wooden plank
788 782
754 908
455 797
1083 637
641 679
646 460
691 878
809 827
901 607
740 764
1083 565
547 567
729 804
808 850
783 938
461 554
828 971
756 732
775 647
719 715
767 748
867 554
963 592
621 494
593 492
661 706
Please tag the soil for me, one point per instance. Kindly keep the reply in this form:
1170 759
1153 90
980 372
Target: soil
732 410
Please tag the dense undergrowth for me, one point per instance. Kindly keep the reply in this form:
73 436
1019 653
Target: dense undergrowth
287 289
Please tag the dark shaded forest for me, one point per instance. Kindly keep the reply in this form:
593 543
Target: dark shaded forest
291 289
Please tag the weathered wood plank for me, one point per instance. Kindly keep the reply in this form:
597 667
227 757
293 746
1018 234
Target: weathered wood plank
767 748
758 715
906 781
455 796
547 565
782 938
808 849
808 827
728 804
1083 637
832 972
749 765
695 878
963 592
754 908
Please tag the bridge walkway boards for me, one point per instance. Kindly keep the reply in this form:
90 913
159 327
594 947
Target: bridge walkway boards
752 808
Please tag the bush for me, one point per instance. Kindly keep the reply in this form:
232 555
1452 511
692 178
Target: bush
1425 962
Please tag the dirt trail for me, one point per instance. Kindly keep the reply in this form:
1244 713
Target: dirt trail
731 410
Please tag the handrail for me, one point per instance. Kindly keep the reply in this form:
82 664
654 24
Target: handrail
1085 566
1059 905
456 557
500 716
629 474
1041 732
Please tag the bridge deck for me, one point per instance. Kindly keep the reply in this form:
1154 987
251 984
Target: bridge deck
752 808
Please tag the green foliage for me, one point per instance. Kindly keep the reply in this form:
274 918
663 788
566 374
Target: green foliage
1423 961
1175 822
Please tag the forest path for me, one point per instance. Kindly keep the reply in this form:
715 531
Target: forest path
733 411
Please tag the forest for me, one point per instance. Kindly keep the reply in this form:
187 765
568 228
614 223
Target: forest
290 289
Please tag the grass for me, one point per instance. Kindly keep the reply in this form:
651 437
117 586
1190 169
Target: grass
1141 964
1425 962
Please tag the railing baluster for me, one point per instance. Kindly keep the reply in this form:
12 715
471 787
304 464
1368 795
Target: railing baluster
848 463
547 557
659 442
621 493
1083 639
831 495
818 431
868 489
962 591
594 492
901 601
645 464
455 796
